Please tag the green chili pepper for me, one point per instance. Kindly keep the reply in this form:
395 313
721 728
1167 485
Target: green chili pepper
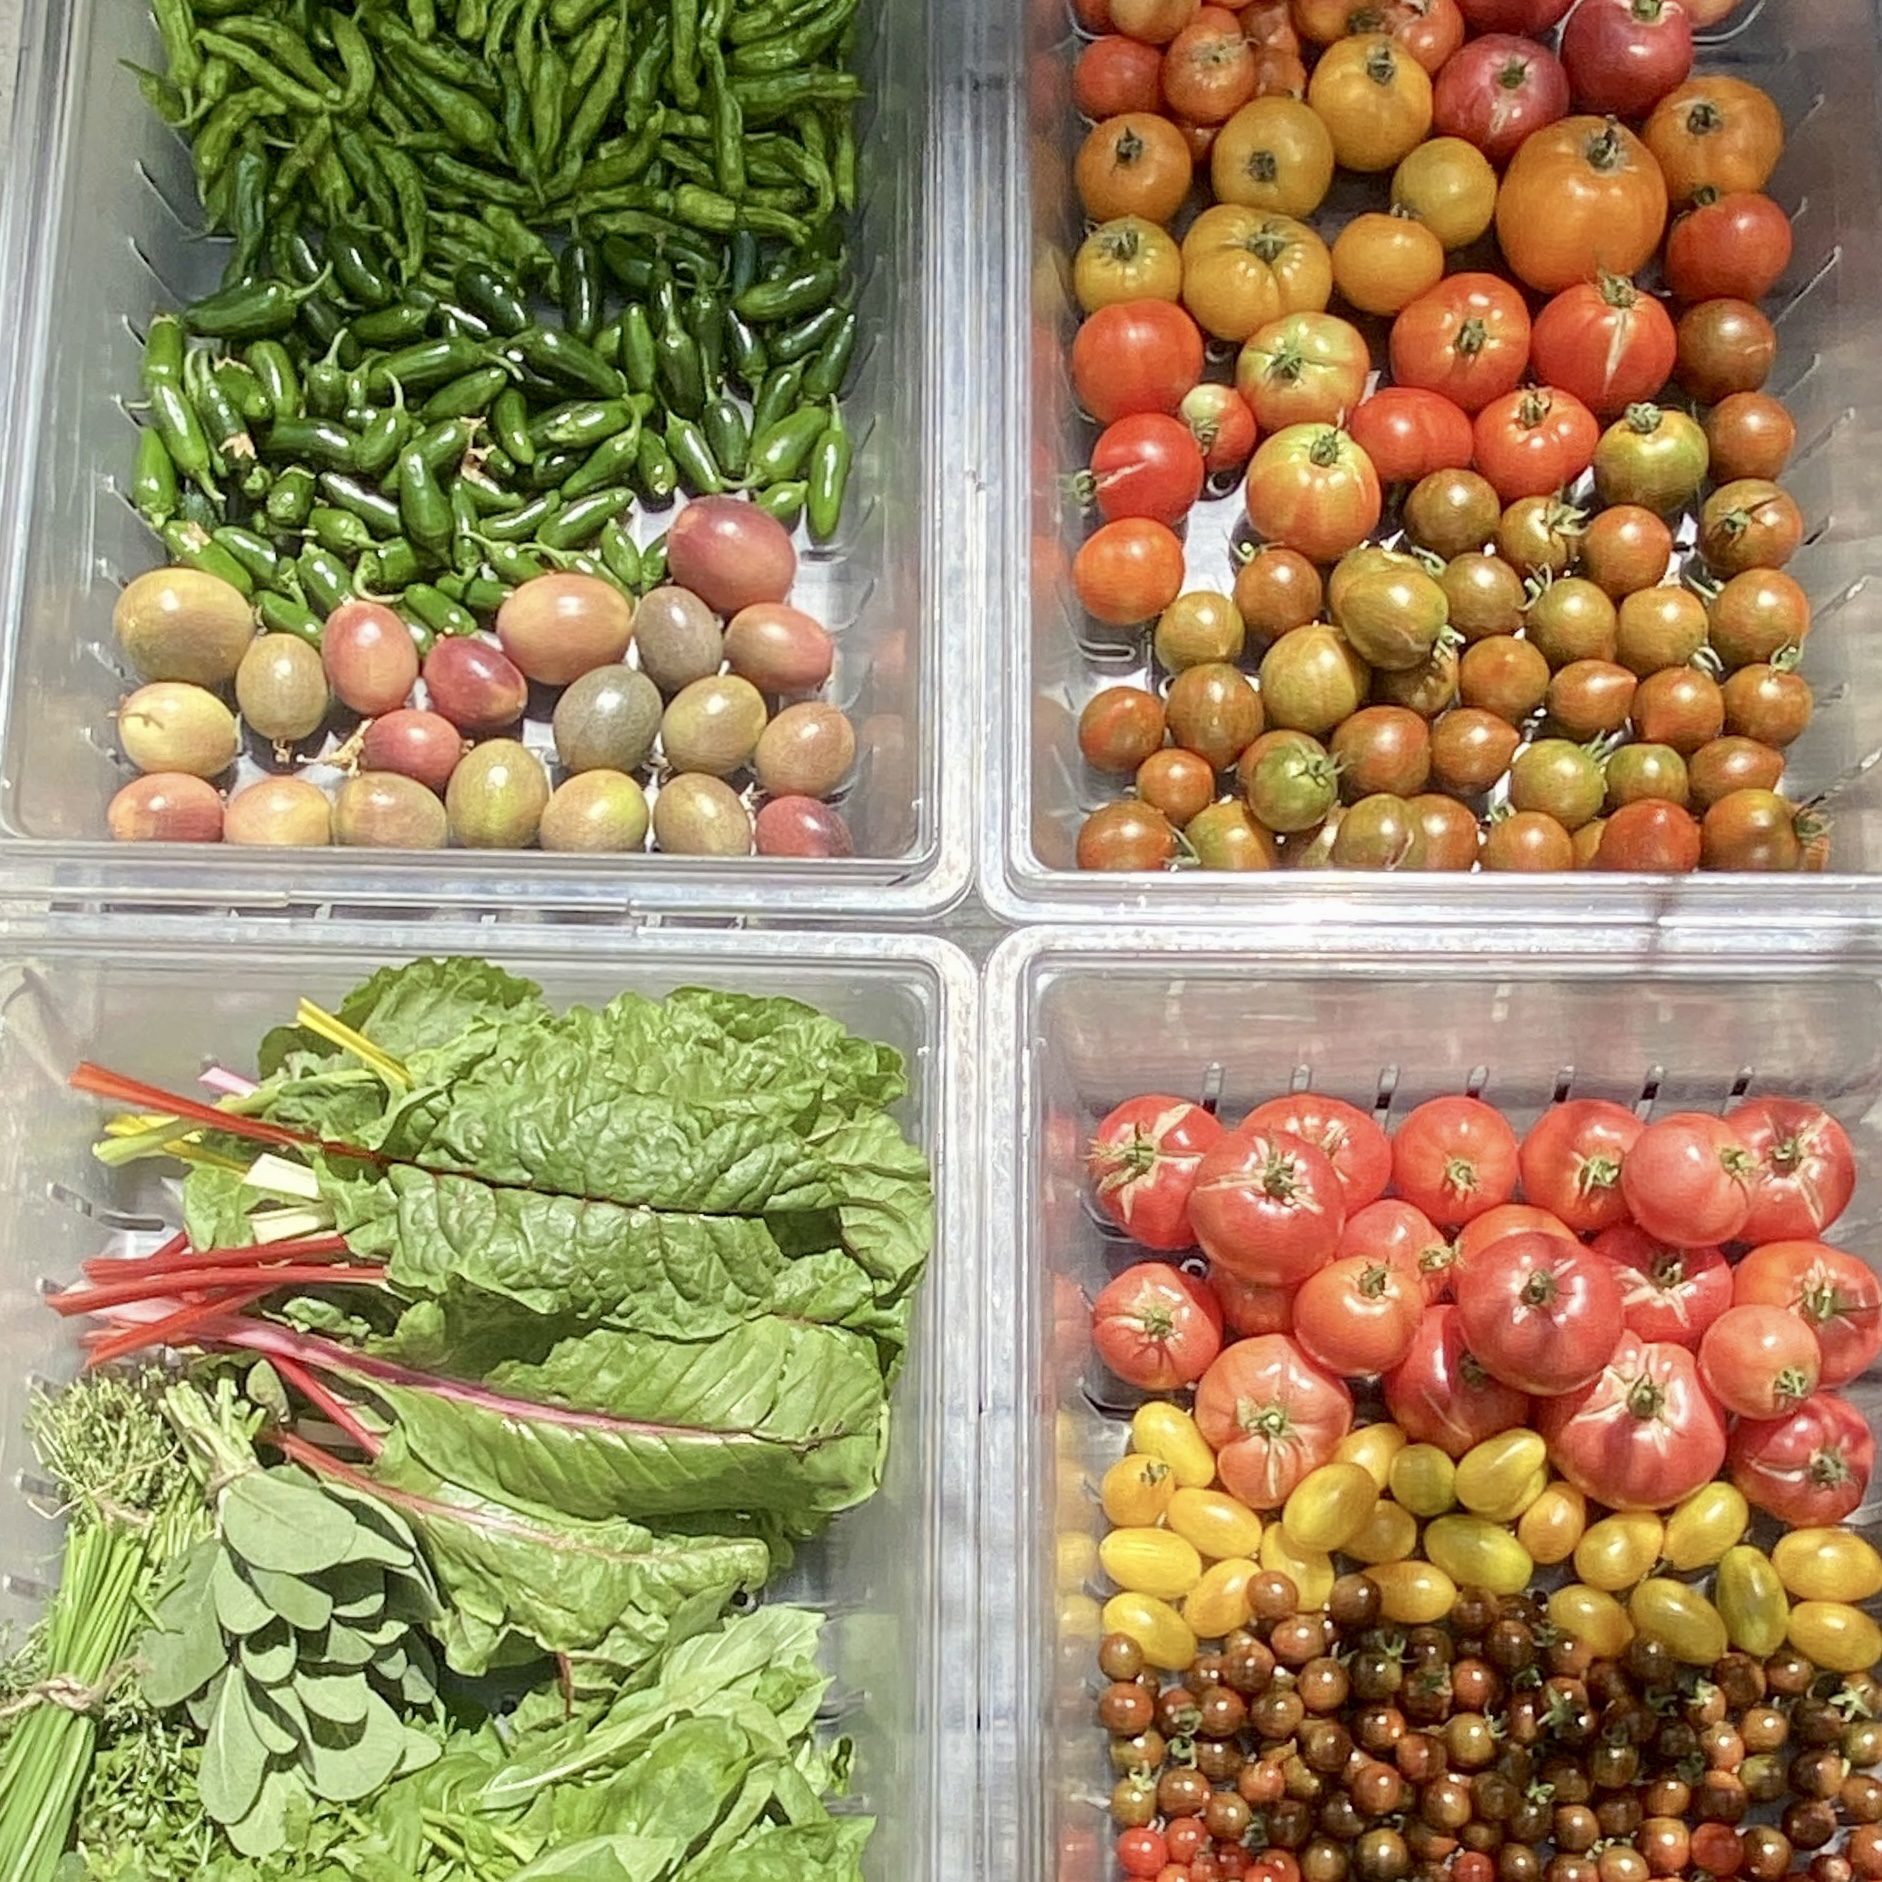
521 525
325 391
326 327
255 553
380 439
288 614
163 352
653 563
611 462
607 342
487 498
243 391
355 269
659 476
339 531
552 469
561 356
252 311
379 513
579 283
190 545
632 270
780 454
745 350
465 117
783 501
728 435
193 506
685 61
680 370
708 328
396 325
619 555
509 425
423 507
153 478
514 563
462 398
801 340
486 293
437 610
824 377
182 432
583 423
313 438
386 570
291 500
777 398
581 521
441 445
692 457
273 366
427 363
829 477
176 29
639 356
325 579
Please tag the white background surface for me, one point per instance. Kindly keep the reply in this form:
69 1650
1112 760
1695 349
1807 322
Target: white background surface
9 52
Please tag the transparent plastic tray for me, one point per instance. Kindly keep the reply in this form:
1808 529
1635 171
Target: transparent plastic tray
895 1575
1819 59
1078 1019
99 230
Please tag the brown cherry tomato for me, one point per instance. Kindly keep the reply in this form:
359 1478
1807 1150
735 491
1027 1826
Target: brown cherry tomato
1382 748
1426 689
1751 435
1277 590
1626 549
1768 702
1590 697
1681 707
1750 524
1486 595
1503 675
1724 765
1724 347
1450 838
1570 620
1471 749
1176 782
1226 836
1451 511
1586 843
1757 830
1650 837
1119 728
1647 771
1659 627
1540 535
1197 628
1527 842
1379 832
1756 615
1215 712
1126 835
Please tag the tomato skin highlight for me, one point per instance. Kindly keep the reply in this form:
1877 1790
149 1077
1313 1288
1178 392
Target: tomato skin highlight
1571 1161
1267 1206
1157 1327
1454 1158
1643 1434
1440 1393
1667 1294
1143 1163
1135 356
1836 1295
1806 1168
1409 433
1812 1467
1272 1416
1542 1316
1349 1138
1760 1361
1688 1179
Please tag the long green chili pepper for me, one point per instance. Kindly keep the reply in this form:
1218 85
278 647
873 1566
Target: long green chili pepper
190 544
267 71
255 553
153 478
579 287
692 457
563 357
509 425
356 59
612 461
409 199
777 398
163 352
685 62
521 525
273 366
780 454
313 439
783 501
619 553
437 610
829 477
681 373
254 310
824 376
584 423
243 391
379 513
728 435
423 507
659 476
580 522
640 358
291 501
183 436
284 614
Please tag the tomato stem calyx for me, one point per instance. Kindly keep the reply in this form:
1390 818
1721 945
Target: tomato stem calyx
1540 1289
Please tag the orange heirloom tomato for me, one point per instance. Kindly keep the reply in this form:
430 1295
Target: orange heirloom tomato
1311 488
1715 133
1303 369
1134 165
1580 196
1449 185
1157 21
1129 571
1127 260
1275 155
1532 442
1208 73
1321 22
1242 269
1381 263
1375 98
1468 339
1430 30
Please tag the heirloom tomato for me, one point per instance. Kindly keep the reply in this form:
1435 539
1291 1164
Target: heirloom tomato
1157 1327
1534 441
1715 133
1303 369
1349 1138
1143 1163
1357 1316
1116 75
1834 1293
1127 260
1312 488
1392 1230
1541 1316
1274 155
1408 434
1514 16
1624 56
1580 196
1760 1361
1731 247
1810 1467
1667 1293
1147 465
1454 1158
1135 164
1251 1307
1381 263
1272 1416
1375 99
1571 1161
1243 268
1449 186
1806 1170
1135 356
1209 72
1468 339
1606 342
1498 90
1688 1179
1267 1206
1128 571
1223 427
1441 1394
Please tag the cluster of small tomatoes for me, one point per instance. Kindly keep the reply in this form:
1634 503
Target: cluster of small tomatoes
1582 651
1599 1347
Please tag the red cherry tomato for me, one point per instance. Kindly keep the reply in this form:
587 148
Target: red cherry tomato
1454 1158
1135 356
1605 341
1157 1327
1440 1393
1409 433
1148 465
1222 425
1143 1164
1688 1179
1624 56
1391 1230
1270 1415
1571 1161
1142 1852
1806 1170
1186 1837
1349 1138
1734 248
1641 1435
1357 1316
1267 1207
1496 90
1759 1361
1128 571
1808 1469
1467 339
1668 1294
1534 441
1837 1296
1542 1316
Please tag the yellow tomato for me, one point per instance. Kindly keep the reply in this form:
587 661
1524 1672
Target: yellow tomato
1593 1615
1129 259
1450 186
1164 1635
1838 1637
1751 1601
1218 1604
1477 1553
1553 1524
1828 1565
1151 1561
1424 1479
1329 1506
1382 263
1242 269
1615 1552
1274 153
1375 98
1310 1570
1494 1474
1413 1594
1706 1525
1136 1490
1390 1534
1165 1431
1679 1617
1215 1522
1373 1447
1078 1559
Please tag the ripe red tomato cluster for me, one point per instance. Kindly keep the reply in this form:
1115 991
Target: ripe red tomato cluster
1655 1299
1462 433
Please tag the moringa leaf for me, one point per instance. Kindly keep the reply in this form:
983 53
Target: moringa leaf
269 1657
304 1605
234 1757
240 1609
271 1521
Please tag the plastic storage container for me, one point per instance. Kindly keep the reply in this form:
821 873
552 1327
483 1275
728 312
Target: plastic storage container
1819 60
892 1574
1079 1020
98 231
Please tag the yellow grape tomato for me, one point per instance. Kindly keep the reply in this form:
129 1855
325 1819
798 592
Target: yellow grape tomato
1424 1480
1329 1506
1477 1553
1163 1634
1495 1473
1593 1615
1615 1552
1413 1594
1838 1637
1705 1526
1373 1447
1390 1535
1680 1618
1552 1525
1078 1559
1828 1565
1217 1524
1162 1430
1151 1561
1310 1570
1136 1491
1750 1600
1218 1604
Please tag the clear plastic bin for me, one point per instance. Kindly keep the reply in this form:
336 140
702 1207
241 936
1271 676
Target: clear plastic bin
1080 1019
894 1574
99 230
1819 60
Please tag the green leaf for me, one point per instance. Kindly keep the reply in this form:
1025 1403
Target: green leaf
358 1590
278 1719
234 1757
346 1763
269 1657
185 1650
337 1645
304 1605
266 1829
239 1608
271 1521
829 1851
339 1698
616 1858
